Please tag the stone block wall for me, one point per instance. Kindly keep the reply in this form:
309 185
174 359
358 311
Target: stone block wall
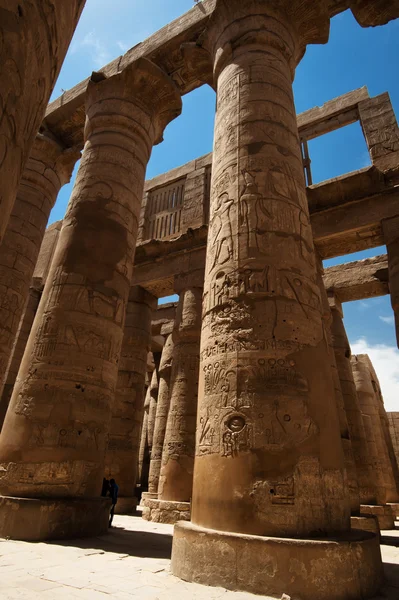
393 418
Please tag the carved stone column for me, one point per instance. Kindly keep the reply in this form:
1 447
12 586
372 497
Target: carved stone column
352 485
162 410
150 406
121 459
390 228
49 167
269 459
52 444
34 38
366 480
176 476
21 339
382 471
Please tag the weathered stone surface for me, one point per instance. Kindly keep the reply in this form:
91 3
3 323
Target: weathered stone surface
123 444
161 416
161 511
390 229
176 478
25 326
364 473
33 519
265 444
393 419
56 425
48 168
357 280
151 400
334 569
34 40
383 513
366 523
369 404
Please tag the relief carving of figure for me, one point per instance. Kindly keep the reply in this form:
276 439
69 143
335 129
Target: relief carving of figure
222 231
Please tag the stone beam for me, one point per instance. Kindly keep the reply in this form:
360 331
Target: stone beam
346 212
358 280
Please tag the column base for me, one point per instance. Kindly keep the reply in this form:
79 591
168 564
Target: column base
344 568
164 511
395 509
41 519
366 523
383 513
145 496
126 505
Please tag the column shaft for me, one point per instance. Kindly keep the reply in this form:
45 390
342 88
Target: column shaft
269 458
34 40
386 491
48 168
53 440
25 326
176 480
121 459
390 228
162 410
367 489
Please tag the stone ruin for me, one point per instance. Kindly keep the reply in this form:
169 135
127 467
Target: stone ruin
237 413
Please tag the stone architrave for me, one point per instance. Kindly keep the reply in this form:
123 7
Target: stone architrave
49 167
366 481
390 228
52 444
34 38
121 458
176 476
269 458
352 485
21 339
162 410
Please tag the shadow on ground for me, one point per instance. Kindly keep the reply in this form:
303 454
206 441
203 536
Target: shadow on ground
143 544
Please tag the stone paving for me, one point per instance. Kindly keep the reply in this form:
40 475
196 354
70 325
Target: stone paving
131 562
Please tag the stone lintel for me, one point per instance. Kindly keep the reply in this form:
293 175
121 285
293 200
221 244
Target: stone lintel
357 280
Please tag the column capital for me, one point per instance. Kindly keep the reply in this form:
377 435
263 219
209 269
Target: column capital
334 302
185 281
167 355
140 295
142 82
390 229
49 153
287 26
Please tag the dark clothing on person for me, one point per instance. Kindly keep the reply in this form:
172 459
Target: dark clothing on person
113 492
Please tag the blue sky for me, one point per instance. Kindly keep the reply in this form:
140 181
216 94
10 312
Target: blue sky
352 58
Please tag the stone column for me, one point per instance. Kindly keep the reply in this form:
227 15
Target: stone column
365 478
50 166
352 485
121 459
269 459
21 339
176 476
52 444
386 490
151 404
162 410
34 38
390 228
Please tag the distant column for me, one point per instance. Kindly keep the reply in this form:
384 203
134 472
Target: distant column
162 410
176 476
34 38
52 444
121 458
386 488
390 228
365 478
49 167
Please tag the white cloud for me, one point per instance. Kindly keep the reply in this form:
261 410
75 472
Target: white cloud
388 320
385 360
96 48
364 305
122 46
